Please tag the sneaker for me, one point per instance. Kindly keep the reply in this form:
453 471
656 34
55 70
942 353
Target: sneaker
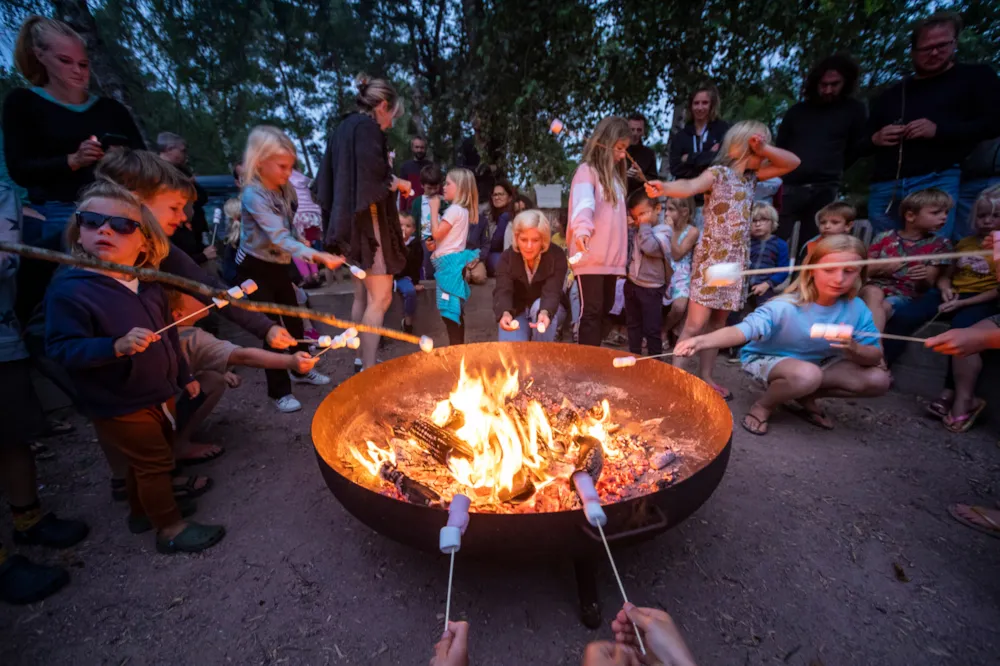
288 404
53 532
314 378
24 582
359 365
407 328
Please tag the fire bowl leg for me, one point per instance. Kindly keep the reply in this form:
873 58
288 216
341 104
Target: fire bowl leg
586 589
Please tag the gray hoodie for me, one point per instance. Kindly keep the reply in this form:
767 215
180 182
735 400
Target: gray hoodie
11 346
649 255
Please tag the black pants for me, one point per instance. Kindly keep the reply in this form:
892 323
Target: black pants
274 284
644 317
456 332
801 203
597 297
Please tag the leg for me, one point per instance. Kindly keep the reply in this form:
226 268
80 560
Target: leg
213 385
522 334
966 372
846 379
593 309
791 379
633 317
652 319
707 357
379 297
676 315
456 330
694 324
906 320
794 202
874 298
409 295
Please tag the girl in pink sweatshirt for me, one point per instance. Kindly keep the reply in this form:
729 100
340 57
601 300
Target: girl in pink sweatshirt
598 227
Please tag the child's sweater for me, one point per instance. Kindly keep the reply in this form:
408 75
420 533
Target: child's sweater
85 312
414 260
603 222
649 255
770 252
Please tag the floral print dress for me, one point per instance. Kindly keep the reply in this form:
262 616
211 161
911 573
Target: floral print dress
725 237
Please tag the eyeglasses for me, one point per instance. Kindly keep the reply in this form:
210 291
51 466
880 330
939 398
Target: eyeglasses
92 220
499 194
940 46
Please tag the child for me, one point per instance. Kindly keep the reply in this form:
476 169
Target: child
745 157
766 251
969 295
597 225
308 226
210 359
267 244
679 213
448 236
232 240
648 273
793 365
100 327
895 285
431 179
832 219
409 279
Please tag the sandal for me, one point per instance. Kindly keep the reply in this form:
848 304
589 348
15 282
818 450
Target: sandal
964 422
192 539
142 524
760 429
726 394
940 408
213 453
991 527
190 489
817 418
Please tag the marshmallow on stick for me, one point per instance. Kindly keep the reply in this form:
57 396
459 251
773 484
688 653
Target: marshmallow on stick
450 541
247 287
844 333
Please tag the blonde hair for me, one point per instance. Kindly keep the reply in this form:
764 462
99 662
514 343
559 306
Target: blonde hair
932 197
598 153
468 193
145 173
157 244
232 209
264 142
372 92
36 33
803 290
739 136
990 195
768 211
533 219
684 203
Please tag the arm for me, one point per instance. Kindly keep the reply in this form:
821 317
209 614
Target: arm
680 249
679 189
680 157
984 122
647 242
583 207
985 297
251 357
69 335
785 130
439 224
777 278
273 225
856 136
730 336
778 162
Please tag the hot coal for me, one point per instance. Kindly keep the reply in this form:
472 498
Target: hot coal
414 491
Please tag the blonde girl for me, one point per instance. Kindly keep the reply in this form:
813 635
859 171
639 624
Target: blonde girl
267 244
781 354
680 215
744 158
100 326
598 225
449 233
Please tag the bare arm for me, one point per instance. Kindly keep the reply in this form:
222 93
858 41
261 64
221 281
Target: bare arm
679 250
779 162
680 189
252 357
729 336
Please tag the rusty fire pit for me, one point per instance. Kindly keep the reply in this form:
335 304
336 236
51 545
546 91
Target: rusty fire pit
696 425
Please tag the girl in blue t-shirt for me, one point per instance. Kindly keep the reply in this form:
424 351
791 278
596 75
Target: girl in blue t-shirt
780 353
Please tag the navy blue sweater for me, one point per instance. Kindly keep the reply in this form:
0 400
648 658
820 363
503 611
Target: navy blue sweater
769 253
85 312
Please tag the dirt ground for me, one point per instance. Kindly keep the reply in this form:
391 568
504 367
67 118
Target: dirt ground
818 548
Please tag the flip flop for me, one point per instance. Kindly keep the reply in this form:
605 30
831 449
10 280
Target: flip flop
200 460
726 394
992 529
939 408
809 416
760 429
964 422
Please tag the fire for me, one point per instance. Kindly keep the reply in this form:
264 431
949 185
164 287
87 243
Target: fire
376 457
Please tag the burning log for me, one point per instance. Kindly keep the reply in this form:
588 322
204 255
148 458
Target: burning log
440 442
413 491
523 489
591 456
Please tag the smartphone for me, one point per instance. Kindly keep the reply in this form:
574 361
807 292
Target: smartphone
111 140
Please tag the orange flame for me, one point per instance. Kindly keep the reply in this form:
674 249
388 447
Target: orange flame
376 457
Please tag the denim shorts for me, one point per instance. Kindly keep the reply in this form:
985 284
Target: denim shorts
759 366
896 302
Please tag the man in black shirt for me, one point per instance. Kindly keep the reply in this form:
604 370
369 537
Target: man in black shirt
643 155
410 170
824 130
921 128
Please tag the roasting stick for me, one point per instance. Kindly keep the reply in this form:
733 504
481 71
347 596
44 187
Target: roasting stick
450 541
192 287
629 361
594 512
246 288
844 332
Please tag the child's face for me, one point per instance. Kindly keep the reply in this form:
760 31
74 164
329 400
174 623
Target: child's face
987 217
644 213
450 189
276 170
185 305
619 150
833 224
432 190
760 226
832 283
674 213
104 242
408 227
167 207
928 219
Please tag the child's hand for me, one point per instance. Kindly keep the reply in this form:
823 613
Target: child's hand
760 289
232 379
301 362
951 305
506 322
331 261
654 189
689 347
279 338
918 272
757 144
419 287
193 388
453 648
583 243
210 252
135 341
947 293
431 244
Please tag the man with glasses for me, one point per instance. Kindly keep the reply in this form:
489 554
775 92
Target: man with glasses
922 127
643 162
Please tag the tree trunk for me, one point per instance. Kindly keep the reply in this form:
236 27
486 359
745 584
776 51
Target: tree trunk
106 70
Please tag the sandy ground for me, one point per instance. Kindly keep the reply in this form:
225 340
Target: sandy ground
818 548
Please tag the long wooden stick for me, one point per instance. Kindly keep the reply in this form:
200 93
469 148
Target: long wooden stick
193 287
871 262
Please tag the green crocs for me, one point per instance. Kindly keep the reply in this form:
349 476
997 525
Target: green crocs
192 539
142 524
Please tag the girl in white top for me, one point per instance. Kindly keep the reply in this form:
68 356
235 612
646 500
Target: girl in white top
449 233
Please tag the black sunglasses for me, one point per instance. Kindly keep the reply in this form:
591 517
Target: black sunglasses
92 220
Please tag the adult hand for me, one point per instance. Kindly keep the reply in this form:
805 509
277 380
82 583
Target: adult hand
89 152
193 388
233 380
654 189
301 362
583 243
210 252
135 341
760 289
279 338
757 144
689 346
404 186
890 135
331 261
918 271
543 320
960 341
606 653
660 635
920 129
453 648
506 322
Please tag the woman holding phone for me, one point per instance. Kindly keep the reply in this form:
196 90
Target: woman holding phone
56 130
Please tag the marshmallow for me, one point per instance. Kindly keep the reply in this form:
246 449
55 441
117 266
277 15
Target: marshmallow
592 508
722 275
540 327
358 273
248 287
350 333
354 343
235 292
324 341
624 361
220 302
450 540
514 324
575 259
832 332
426 343
217 216
556 126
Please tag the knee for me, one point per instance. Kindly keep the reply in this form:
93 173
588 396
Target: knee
876 381
807 378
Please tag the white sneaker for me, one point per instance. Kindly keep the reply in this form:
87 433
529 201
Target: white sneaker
288 404
314 378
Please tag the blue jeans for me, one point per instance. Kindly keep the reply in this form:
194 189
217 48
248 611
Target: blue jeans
968 192
56 215
525 333
887 195
404 286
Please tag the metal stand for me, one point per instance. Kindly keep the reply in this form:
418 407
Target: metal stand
586 589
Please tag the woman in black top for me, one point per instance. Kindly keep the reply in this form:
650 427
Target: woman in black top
694 148
56 131
356 185
501 213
